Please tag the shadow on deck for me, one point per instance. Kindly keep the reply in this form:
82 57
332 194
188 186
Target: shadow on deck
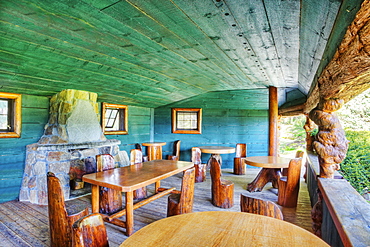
26 224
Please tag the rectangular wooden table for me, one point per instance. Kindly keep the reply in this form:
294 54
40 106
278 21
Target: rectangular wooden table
129 178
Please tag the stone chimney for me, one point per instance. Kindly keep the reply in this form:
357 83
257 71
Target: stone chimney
72 138
74 118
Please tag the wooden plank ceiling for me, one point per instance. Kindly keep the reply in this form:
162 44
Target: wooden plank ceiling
156 52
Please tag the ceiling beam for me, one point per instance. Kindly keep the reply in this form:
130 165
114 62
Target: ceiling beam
348 73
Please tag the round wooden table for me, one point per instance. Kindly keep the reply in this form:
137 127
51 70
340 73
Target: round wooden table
215 152
154 150
271 170
222 228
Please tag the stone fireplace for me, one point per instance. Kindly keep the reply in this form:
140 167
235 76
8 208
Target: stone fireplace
72 138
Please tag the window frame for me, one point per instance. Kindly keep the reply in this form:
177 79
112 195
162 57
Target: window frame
125 114
175 123
17 115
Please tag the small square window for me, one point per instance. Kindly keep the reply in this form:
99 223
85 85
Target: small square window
187 120
10 115
114 119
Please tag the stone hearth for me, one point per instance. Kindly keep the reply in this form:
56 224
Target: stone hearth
71 140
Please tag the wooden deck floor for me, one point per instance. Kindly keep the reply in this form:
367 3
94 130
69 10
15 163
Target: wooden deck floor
26 224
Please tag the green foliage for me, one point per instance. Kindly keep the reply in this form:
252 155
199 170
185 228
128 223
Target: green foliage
355 114
293 135
356 166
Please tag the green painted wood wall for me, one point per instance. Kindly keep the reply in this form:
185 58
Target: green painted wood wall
35 113
225 122
13 150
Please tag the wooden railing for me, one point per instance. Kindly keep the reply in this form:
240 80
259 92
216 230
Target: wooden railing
345 214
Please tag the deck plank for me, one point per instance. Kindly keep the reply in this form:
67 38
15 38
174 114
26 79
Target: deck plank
26 224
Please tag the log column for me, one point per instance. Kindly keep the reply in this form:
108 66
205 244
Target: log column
273 121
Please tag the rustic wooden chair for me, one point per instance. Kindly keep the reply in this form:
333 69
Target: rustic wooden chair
110 201
222 190
176 151
145 158
136 159
288 186
253 205
241 153
89 231
298 154
200 169
181 202
61 216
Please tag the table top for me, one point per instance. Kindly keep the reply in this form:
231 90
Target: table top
222 228
217 149
148 144
268 161
130 178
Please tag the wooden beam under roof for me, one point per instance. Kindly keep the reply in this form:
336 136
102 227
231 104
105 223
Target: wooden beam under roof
348 73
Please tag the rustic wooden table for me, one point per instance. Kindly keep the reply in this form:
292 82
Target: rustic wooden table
215 152
154 150
222 228
129 178
271 169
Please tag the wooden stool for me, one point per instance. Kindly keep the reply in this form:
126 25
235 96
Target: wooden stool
90 231
259 206
222 190
200 169
61 218
241 153
181 202
110 201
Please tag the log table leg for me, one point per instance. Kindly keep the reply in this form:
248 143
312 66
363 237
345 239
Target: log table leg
264 176
95 198
129 213
215 156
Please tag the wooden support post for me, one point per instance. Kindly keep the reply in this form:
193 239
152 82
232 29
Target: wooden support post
273 121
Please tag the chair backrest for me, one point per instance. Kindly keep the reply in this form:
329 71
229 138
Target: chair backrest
136 156
138 146
176 148
90 231
187 190
122 158
60 231
259 206
196 155
293 174
215 171
241 150
104 162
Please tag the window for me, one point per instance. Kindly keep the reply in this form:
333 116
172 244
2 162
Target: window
10 115
114 119
187 120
